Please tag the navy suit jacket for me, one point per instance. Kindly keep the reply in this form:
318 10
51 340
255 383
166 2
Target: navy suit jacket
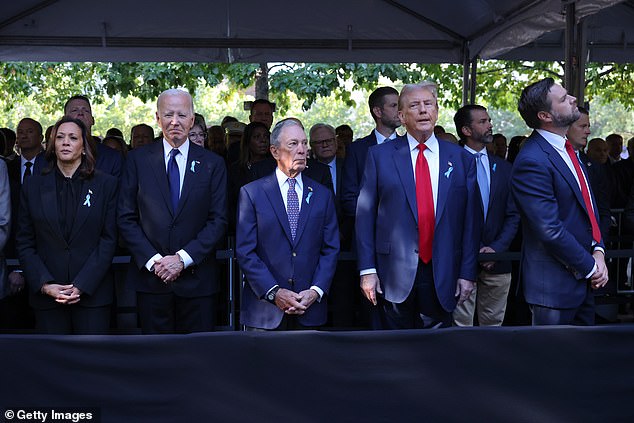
557 236
601 189
149 226
502 220
268 256
353 167
387 220
83 260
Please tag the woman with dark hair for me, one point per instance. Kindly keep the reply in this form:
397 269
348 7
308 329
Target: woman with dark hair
254 146
67 236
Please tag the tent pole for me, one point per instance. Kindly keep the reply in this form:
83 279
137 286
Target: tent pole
474 81
465 73
570 53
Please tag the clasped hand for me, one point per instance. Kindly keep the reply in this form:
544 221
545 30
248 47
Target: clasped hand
291 302
63 294
168 268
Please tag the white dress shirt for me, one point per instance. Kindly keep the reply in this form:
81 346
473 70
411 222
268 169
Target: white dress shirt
181 161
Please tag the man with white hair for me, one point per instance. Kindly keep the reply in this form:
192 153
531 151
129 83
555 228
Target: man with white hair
172 215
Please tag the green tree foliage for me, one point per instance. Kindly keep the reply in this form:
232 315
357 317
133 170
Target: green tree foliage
40 89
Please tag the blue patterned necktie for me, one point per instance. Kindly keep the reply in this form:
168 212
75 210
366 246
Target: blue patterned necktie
483 183
173 176
292 207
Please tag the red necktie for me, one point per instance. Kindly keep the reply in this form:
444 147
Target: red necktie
425 206
596 233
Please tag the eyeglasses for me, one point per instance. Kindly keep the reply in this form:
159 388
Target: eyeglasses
324 142
197 135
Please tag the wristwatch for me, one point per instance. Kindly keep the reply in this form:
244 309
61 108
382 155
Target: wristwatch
270 296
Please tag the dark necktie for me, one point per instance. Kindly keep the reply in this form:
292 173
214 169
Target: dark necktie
596 233
483 183
292 207
27 171
425 206
173 176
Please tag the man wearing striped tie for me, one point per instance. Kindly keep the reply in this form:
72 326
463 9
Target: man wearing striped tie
562 251
287 240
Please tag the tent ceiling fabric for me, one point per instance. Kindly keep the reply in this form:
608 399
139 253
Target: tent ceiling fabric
376 31
609 34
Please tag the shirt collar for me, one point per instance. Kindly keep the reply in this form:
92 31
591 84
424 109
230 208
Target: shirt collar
557 141
472 151
184 148
282 178
380 138
431 143
23 160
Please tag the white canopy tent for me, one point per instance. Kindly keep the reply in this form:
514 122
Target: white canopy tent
331 31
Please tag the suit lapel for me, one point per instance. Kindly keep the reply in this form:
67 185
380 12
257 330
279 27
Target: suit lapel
306 207
192 165
86 202
562 168
48 192
156 160
494 180
272 191
403 163
445 161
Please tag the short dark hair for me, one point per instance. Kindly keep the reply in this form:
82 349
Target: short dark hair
76 97
534 99
377 98
87 167
140 125
583 110
463 117
38 125
261 101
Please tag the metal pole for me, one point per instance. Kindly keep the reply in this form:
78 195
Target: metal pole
570 53
465 73
474 82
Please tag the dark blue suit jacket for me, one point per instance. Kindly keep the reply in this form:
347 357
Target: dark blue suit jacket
148 224
84 259
502 221
386 220
353 167
268 256
557 236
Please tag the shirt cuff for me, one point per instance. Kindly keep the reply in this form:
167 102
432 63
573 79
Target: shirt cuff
150 263
367 271
272 288
597 248
319 292
594 269
187 260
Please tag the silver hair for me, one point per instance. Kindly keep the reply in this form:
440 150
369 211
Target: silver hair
174 92
426 85
319 126
277 130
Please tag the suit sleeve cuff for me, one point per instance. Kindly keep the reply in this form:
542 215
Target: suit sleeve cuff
187 260
367 271
319 292
150 263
